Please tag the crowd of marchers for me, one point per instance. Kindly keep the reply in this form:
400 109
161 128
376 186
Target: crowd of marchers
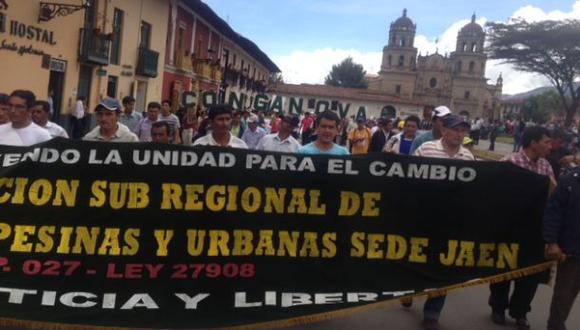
24 121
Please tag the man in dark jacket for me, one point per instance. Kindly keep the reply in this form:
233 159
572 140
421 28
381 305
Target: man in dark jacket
382 135
561 234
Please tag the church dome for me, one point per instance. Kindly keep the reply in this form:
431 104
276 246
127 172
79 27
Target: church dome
471 28
403 22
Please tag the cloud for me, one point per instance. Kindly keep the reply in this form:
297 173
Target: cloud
313 66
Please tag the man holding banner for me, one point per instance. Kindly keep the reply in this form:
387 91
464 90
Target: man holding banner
109 129
561 229
327 128
449 146
220 117
21 130
536 144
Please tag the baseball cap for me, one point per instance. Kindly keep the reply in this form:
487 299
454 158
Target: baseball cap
452 121
441 111
291 119
109 104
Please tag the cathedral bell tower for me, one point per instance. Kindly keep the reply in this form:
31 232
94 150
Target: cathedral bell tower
400 53
469 57
399 57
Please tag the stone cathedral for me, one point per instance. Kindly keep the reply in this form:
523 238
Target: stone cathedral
456 80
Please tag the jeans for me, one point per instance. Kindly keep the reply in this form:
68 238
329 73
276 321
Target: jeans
565 292
433 307
520 303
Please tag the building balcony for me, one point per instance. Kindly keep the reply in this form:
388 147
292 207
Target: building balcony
204 69
216 73
94 47
147 62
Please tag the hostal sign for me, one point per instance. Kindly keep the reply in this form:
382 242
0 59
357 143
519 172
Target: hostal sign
30 32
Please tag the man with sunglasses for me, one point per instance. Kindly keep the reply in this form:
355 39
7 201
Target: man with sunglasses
21 131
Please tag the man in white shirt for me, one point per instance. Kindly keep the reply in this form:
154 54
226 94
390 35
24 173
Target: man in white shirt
78 118
40 114
254 133
21 131
283 140
220 117
109 129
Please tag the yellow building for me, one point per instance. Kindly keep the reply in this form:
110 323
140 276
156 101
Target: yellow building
84 48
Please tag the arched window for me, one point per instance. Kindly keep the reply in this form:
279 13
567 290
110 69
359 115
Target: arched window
402 43
433 82
471 66
389 112
401 60
390 60
473 47
464 47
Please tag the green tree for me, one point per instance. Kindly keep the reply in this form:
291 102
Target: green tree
550 48
539 107
347 74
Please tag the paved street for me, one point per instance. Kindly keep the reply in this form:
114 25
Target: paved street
464 309
500 148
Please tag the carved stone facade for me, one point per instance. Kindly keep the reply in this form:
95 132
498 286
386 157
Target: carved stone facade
457 81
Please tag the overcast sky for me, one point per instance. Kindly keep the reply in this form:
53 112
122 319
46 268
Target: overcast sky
306 37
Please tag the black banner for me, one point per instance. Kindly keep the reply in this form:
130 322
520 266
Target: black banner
152 236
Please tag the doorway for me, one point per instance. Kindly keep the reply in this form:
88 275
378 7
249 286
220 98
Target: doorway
56 87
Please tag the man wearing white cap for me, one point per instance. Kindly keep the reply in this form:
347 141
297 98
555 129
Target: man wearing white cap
253 134
109 129
435 133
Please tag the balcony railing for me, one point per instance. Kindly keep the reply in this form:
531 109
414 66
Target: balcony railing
147 62
94 47
203 68
216 73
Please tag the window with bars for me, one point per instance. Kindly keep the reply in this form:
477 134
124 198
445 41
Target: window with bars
115 55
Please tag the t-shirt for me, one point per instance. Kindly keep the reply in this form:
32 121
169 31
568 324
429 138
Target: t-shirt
131 120
435 149
252 138
26 136
405 146
143 129
123 134
307 123
311 149
360 140
208 140
272 142
55 130
419 140
275 125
